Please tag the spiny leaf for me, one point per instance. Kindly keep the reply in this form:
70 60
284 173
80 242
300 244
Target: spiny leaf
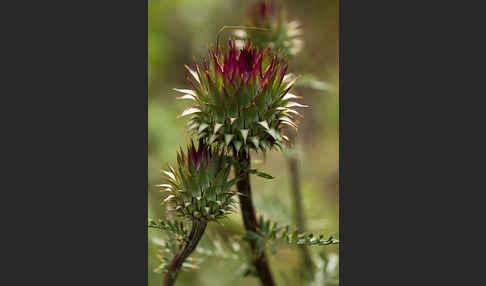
217 126
290 96
212 138
169 198
173 227
188 111
170 174
193 73
227 138
186 91
202 127
237 145
295 104
164 185
255 141
277 233
186 96
264 124
244 134
260 174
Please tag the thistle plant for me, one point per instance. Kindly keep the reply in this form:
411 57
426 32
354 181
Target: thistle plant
242 103
198 191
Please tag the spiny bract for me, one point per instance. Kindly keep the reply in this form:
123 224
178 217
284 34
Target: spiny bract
199 189
242 99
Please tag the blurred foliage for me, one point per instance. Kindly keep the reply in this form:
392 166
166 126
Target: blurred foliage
175 228
168 249
271 232
179 30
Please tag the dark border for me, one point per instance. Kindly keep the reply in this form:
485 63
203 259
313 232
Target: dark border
79 143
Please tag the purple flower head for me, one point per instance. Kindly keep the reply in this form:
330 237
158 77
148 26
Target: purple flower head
240 100
196 158
246 61
265 9
242 65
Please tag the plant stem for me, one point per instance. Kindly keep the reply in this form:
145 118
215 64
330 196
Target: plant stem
249 218
197 230
293 164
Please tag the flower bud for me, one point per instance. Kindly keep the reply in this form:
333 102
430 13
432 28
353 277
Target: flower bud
199 189
282 36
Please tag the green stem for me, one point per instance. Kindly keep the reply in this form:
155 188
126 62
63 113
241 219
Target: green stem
249 217
197 230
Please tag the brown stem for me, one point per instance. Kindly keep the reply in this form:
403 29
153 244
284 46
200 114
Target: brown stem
175 265
293 163
249 218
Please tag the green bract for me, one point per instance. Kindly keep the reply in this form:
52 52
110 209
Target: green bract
242 99
199 189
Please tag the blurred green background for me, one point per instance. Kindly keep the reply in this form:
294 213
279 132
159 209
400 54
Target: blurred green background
181 29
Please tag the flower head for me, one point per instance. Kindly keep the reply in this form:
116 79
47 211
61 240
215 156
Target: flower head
197 158
199 189
242 98
264 10
283 36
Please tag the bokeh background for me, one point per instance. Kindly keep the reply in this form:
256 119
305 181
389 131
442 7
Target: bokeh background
178 30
